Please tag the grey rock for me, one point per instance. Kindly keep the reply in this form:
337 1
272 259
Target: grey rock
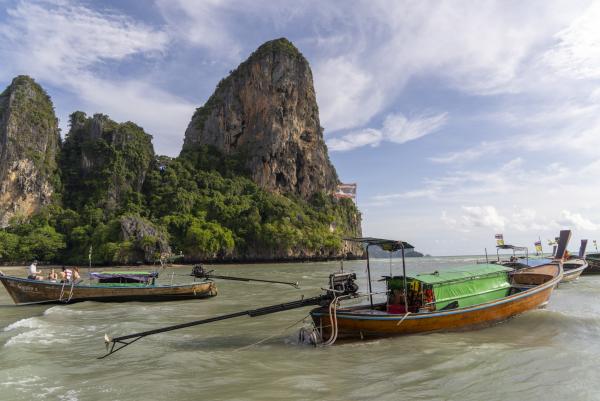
29 147
149 243
267 110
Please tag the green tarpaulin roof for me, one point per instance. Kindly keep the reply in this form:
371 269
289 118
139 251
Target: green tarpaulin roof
132 273
460 273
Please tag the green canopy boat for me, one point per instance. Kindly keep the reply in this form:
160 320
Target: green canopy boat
463 286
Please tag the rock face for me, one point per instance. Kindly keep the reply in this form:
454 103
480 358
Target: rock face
104 163
266 111
29 146
149 242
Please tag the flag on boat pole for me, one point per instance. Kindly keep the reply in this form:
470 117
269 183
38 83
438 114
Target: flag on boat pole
538 247
499 239
595 245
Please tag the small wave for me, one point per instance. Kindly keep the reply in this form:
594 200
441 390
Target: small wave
29 323
20 382
62 310
71 395
39 336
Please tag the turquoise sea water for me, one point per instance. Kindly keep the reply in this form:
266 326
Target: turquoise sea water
49 352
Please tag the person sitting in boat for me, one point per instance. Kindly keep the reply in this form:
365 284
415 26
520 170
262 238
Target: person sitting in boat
33 273
76 275
65 275
396 302
52 276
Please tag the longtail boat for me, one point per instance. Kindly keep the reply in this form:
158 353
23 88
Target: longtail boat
107 287
453 299
593 261
573 266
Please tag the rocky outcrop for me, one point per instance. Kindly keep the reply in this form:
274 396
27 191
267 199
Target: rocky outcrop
29 145
266 111
104 163
148 243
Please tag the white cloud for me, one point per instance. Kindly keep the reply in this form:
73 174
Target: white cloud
67 45
488 48
577 55
348 96
396 128
205 23
570 219
399 129
60 37
482 216
353 140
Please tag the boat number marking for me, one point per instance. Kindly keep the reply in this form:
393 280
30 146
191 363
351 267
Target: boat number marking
27 288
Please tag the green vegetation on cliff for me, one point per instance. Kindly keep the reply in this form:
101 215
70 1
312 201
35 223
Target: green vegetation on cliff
104 163
253 181
201 204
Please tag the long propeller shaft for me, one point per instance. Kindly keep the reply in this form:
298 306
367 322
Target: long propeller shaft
210 275
115 344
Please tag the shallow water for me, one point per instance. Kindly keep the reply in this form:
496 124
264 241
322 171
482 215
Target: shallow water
49 352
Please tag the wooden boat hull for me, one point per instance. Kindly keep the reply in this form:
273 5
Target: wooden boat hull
24 291
593 261
573 268
362 322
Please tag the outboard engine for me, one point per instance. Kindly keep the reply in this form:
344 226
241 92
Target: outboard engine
199 272
342 284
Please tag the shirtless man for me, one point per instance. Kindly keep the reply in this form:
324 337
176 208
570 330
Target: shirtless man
76 275
52 276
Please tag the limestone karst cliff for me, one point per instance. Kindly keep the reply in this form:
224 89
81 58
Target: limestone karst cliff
104 163
253 181
29 145
266 110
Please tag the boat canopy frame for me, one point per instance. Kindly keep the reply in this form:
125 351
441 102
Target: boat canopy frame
515 249
387 245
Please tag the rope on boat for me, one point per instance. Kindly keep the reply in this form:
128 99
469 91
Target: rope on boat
272 335
404 317
334 323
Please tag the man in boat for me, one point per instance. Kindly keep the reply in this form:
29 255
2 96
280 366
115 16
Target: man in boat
76 276
52 276
33 273
66 275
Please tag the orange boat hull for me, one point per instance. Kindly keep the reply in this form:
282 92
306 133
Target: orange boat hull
361 321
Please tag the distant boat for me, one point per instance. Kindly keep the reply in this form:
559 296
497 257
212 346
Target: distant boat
108 287
573 266
593 261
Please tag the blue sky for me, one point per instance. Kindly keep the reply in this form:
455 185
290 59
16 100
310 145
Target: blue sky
457 119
